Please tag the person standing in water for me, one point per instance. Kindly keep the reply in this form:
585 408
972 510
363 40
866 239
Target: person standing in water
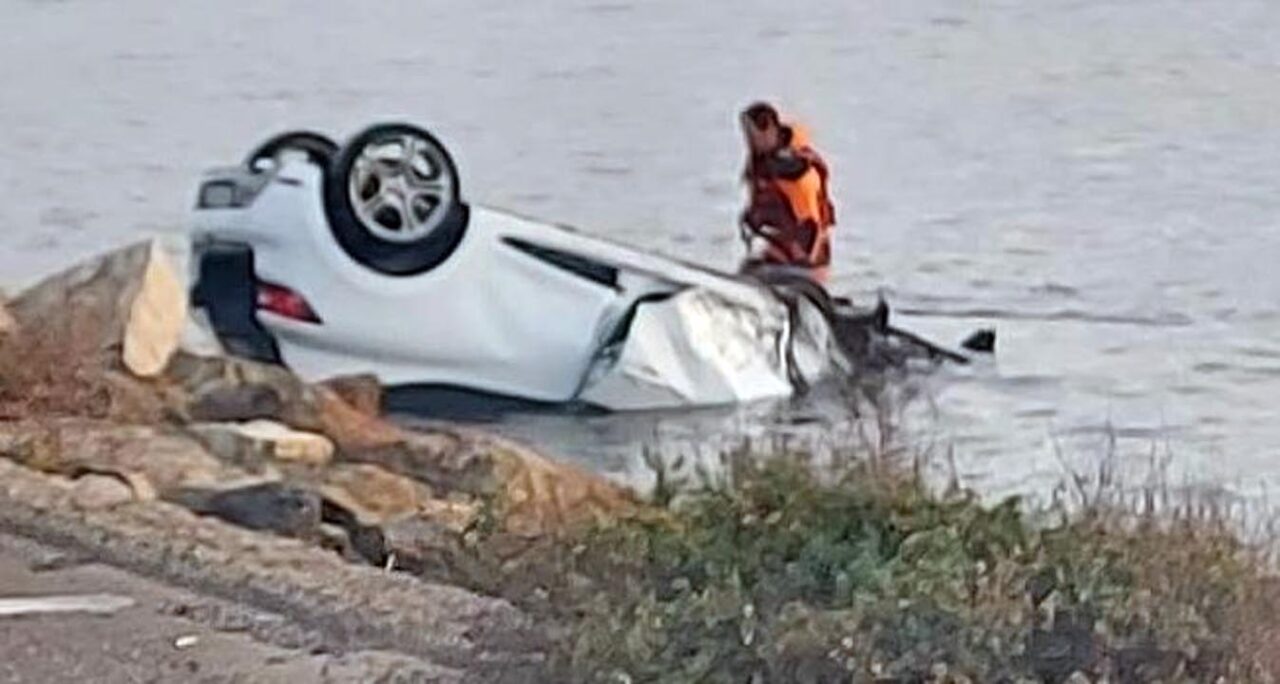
789 208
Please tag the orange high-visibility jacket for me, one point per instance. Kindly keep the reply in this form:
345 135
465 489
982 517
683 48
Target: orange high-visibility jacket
790 206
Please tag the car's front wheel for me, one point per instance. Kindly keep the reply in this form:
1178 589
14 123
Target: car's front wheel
393 200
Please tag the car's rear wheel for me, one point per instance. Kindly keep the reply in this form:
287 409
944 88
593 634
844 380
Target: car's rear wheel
393 200
316 147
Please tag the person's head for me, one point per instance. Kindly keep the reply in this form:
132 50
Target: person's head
762 128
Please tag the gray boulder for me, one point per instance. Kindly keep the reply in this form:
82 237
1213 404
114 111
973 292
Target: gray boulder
130 306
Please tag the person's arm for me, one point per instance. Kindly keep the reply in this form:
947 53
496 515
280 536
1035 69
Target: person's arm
767 216
813 232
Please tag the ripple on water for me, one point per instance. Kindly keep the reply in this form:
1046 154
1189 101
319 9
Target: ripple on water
1055 289
1257 352
1212 367
1029 381
1190 390
1262 371
607 8
1160 319
1131 432
1036 413
606 171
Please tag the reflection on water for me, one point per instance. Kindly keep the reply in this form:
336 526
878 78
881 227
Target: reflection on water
867 418
1097 178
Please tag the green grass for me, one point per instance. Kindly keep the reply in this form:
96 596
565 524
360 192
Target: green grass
863 574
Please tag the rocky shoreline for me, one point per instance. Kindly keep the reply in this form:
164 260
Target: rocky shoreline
122 444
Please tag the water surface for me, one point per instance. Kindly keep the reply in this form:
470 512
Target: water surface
1096 178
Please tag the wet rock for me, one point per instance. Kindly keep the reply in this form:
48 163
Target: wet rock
372 494
254 443
361 392
100 492
95 306
271 506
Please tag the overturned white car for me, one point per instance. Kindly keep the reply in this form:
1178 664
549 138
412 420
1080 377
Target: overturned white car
364 259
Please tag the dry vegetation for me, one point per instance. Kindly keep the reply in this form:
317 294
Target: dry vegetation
51 372
779 575
850 568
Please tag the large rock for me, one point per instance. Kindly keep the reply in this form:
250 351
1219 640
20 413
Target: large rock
534 494
151 460
530 494
229 389
269 506
372 494
127 306
255 442
430 549
100 492
157 316
134 400
361 392
539 496
222 402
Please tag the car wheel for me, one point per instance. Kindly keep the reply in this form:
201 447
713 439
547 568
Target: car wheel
393 200
317 147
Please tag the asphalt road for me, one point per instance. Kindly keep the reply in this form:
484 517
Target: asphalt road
167 635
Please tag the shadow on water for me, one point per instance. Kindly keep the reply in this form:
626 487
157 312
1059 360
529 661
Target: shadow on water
623 445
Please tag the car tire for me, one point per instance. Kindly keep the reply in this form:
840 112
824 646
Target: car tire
393 200
319 148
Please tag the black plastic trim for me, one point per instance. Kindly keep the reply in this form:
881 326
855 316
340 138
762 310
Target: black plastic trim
596 272
225 288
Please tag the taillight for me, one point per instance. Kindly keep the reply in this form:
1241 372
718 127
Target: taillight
282 301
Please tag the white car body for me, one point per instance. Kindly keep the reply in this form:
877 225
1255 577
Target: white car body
499 316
